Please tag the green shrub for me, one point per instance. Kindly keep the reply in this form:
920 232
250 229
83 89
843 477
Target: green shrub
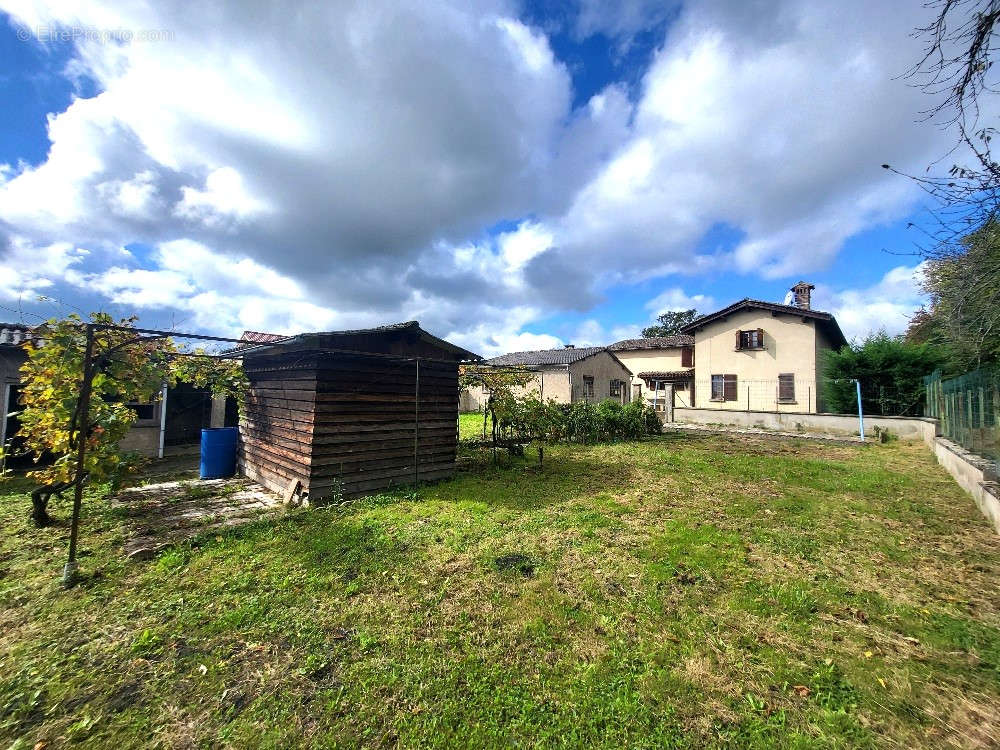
529 419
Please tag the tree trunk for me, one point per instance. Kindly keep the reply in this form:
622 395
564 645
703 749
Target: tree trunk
40 502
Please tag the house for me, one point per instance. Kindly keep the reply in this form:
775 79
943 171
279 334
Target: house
659 364
348 412
566 375
172 422
12 356
762 356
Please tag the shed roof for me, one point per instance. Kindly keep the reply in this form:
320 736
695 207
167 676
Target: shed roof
542 357
359 340
823 318
652 342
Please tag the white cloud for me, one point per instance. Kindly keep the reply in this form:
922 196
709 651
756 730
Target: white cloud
28 270
523 244
338 164
886 306
675 298
135 197
225 199
773 122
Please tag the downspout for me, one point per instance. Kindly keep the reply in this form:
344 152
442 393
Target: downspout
163 418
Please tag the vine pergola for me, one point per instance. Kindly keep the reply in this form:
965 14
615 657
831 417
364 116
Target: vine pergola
80 420
80 426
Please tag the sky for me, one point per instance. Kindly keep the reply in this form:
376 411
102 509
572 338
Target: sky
512 175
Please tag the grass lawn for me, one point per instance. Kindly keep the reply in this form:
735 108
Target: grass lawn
687 591
470 425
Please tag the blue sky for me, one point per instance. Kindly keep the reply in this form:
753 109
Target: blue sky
514 176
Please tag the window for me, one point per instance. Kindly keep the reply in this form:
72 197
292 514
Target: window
143 412
588 386
786 388
615 389
752 339
723 388
687 356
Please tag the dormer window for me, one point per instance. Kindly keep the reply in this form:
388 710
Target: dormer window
752 339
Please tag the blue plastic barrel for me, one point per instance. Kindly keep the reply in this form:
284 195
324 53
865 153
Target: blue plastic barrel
218 452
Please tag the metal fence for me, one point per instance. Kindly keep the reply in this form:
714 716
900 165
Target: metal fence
745 394
968 409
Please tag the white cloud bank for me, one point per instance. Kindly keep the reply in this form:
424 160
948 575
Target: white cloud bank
885 306
314 165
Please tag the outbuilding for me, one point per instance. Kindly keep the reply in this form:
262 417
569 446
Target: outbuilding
343 413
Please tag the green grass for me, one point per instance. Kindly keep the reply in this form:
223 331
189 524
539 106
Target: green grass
470 426
688 591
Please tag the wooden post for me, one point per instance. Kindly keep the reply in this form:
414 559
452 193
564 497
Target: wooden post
82 429
416 425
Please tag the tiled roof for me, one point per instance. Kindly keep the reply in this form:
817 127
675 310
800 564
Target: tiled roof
257 337
823 317
653 342
672 375
546 356
13 334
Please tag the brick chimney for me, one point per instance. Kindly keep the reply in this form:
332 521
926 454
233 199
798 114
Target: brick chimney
802 295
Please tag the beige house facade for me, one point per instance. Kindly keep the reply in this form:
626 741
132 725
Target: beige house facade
762 356
565 375
660 365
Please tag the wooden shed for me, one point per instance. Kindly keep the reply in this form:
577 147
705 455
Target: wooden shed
349 412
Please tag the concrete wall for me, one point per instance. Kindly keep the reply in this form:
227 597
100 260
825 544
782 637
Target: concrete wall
790 346
546 384
11 359
973 475
142 439
905 428
603 368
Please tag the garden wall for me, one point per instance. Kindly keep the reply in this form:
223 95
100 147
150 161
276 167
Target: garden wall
905 428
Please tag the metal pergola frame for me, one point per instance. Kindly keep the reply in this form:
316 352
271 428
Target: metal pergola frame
80 421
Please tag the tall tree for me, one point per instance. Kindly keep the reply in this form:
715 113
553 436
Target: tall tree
669 323
956 71
891 372
964 291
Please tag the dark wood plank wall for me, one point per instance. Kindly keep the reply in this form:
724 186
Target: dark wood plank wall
276 425
344 422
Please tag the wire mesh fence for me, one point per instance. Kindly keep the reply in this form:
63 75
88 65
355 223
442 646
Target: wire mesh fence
968 409
722 391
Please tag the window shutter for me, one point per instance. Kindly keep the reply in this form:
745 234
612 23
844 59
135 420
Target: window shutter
739 340
760 338
686 357
786 387
729 382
